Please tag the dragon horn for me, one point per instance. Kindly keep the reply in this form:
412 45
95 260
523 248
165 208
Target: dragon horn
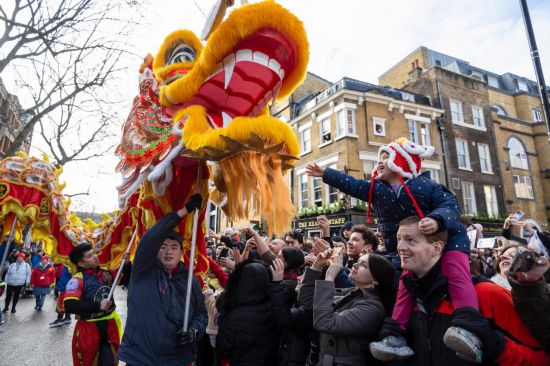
215 17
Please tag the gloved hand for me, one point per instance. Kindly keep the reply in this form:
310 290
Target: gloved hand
194 202
390 327
185 338
493 341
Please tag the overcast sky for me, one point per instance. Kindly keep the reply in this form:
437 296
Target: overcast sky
359 39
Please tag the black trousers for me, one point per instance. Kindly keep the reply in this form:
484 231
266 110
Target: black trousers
14 291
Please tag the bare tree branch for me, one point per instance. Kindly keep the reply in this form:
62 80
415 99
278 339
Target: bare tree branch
64 61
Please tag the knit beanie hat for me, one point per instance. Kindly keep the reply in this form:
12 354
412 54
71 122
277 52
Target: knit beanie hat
405 159
294 258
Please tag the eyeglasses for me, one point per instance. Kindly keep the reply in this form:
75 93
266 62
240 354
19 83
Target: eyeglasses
356 265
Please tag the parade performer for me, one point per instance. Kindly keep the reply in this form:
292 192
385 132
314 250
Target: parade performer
153 334
42 277
398 190
97 332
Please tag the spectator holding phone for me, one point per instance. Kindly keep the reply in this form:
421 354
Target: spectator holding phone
511 221
531 295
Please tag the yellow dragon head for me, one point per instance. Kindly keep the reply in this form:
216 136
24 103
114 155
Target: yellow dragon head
211 102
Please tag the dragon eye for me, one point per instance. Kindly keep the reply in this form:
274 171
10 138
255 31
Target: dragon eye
181 53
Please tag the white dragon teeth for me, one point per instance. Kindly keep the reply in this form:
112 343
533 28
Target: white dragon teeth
226 119
228 66
260 58
274 65
244 55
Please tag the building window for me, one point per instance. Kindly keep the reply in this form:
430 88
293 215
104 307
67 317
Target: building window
522 85
305 140
491 200
523 186
304 201
332 192
434 175
462 154
477 114
469 198
456 111
413 133
324 127
379 126
537 116
368 167
518 157
484 158
492 81
317 194
425 134
345 124
419 132
500 109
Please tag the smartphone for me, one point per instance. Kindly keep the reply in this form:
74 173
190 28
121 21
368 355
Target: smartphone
518 215
224 252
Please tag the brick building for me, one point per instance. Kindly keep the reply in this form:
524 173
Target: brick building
342 126
498 154
10 120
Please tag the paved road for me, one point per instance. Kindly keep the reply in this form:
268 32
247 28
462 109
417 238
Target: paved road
26 339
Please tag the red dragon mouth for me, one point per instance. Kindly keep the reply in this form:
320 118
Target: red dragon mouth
247 79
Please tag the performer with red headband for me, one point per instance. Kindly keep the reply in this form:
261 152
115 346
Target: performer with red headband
397 190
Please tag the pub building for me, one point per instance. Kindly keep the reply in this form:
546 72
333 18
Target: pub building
309 227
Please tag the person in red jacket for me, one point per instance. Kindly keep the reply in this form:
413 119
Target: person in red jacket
42 277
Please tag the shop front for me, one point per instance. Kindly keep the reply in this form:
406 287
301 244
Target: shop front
309 227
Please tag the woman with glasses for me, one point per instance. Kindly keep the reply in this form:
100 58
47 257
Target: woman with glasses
348 319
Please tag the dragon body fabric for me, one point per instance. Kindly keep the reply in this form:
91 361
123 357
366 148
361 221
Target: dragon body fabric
207 105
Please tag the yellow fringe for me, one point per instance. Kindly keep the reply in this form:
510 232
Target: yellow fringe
251 178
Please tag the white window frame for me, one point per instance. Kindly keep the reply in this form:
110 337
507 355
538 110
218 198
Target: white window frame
331 191
469 194
342 111
414 135
456 115
484 155
319 189
537 115
435 175
377 121
491 201
303 141
522 160
466 154
478 120
301 191
523 188
322 132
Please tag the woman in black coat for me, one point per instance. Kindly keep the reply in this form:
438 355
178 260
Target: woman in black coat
248 333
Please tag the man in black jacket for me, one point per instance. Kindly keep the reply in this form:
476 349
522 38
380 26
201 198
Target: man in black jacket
505 339
156 299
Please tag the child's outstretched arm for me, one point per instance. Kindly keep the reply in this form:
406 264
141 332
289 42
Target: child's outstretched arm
358 188
444 206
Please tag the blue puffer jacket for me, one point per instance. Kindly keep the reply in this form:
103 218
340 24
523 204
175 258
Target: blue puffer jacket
434 199
63 279
156 302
